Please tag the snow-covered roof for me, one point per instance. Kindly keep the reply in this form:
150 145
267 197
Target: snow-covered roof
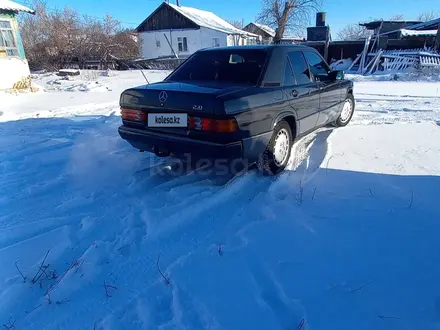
416 33
13 6
209 20
266 29
292 37
423 25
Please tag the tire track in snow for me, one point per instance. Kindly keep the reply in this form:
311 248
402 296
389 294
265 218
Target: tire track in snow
177 248
178 240
152 215
374 108
309 157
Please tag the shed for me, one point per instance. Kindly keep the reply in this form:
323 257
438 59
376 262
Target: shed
14 68
389 27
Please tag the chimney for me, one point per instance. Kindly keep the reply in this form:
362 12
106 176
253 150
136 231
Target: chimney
178 3
320 18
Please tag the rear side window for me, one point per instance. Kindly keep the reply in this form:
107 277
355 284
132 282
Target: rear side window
300 68
318 66
228 66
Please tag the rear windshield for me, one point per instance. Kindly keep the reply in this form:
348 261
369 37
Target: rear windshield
228 66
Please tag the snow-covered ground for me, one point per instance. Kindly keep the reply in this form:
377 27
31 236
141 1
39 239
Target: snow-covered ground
92 92
110 238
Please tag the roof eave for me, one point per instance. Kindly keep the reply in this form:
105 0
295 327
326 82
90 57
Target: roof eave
29 11
17 11
231 32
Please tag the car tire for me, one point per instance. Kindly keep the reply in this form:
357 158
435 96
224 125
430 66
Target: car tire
277 153
346 113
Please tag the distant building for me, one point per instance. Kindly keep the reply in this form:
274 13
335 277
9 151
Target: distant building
291 39
177 31
14 69
390 27
404 34
267 33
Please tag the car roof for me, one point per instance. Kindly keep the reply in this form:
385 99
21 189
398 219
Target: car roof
256 47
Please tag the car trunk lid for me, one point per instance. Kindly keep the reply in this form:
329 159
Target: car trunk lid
176 98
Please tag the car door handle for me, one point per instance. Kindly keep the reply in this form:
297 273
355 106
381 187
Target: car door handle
294 93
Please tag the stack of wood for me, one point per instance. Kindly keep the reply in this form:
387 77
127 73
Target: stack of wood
369 62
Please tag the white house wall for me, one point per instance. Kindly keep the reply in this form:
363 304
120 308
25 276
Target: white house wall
151 49
235 40
12 71
208 36
154 43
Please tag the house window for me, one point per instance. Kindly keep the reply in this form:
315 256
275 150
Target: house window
8 46
182 44
215 42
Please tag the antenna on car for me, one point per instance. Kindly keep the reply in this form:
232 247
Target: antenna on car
145 77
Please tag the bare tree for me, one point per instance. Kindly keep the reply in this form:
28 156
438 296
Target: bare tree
287 15
427 16
353 32
235 23
397 17
51 37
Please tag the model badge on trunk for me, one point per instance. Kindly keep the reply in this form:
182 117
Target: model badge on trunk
198 107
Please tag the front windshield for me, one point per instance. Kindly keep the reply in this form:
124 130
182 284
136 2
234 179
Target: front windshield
231 66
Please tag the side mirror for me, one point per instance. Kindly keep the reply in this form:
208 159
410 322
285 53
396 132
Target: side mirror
336 75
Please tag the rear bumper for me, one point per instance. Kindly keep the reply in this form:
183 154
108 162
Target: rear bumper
179 145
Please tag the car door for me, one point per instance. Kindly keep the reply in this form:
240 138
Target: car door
302 93
330 91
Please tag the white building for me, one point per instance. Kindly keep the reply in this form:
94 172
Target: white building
14 69
177 31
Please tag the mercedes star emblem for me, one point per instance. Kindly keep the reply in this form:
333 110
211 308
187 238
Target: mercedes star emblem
163 96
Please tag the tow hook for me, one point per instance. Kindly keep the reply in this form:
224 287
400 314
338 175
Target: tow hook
159 152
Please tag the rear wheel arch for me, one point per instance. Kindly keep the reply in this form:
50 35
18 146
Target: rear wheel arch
291 120
351 95
277 153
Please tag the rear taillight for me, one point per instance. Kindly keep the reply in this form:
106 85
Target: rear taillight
133 115
213 125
